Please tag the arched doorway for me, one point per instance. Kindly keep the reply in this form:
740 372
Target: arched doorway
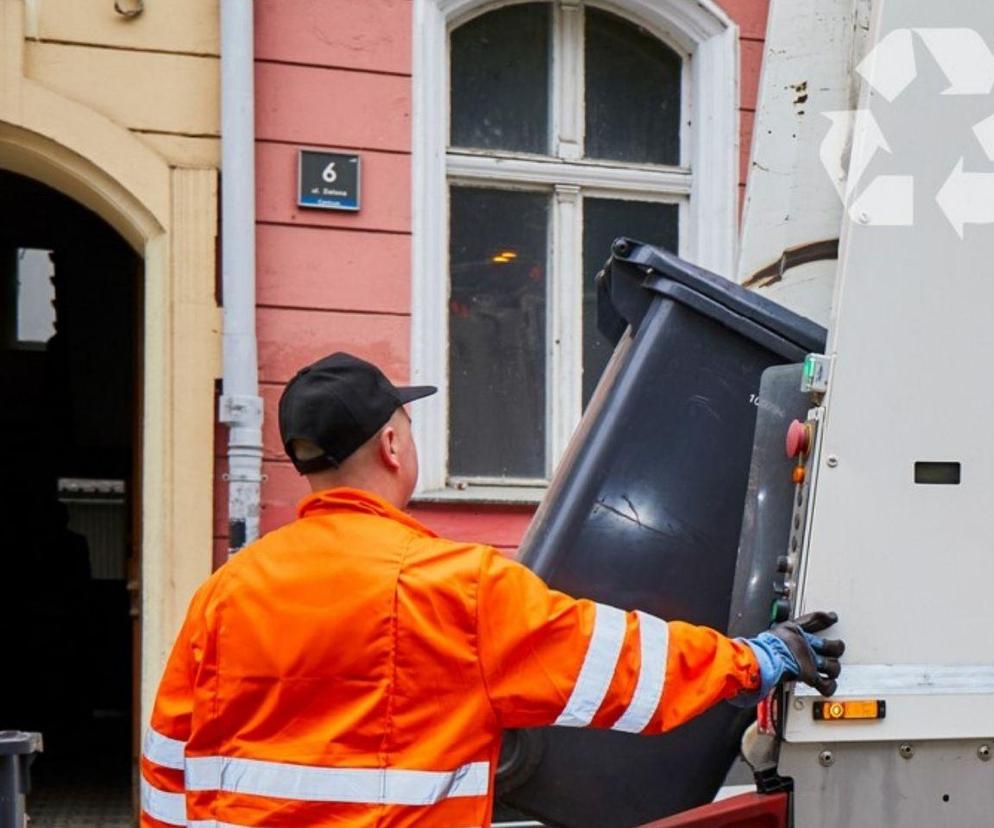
70 363
166 212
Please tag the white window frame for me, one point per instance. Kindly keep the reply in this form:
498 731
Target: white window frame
705 186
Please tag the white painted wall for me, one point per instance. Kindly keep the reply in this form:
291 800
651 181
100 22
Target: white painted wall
811 49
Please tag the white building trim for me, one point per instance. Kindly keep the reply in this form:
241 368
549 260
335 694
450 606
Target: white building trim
591 175
707 180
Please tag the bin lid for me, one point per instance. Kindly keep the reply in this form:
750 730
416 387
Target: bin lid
659 268
17 742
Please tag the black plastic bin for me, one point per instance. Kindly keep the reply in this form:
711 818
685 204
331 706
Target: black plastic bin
645 512
17 751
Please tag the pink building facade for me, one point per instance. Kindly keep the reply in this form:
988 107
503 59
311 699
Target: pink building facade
350 77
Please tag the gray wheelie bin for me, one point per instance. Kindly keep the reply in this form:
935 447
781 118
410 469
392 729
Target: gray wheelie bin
645 512
17 750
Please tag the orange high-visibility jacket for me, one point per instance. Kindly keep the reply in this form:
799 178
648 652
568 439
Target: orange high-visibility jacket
352 668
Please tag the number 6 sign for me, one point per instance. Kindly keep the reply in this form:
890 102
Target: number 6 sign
328 180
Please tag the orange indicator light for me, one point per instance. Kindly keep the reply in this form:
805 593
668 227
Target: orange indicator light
836 711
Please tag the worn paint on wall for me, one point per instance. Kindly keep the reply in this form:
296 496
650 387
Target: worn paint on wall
751 17
793 212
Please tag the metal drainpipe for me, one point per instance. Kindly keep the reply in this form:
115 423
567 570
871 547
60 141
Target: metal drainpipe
240 406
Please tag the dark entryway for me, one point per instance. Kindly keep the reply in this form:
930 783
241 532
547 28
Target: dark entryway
69 367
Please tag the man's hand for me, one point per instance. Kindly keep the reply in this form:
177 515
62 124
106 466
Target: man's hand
815 660
792 651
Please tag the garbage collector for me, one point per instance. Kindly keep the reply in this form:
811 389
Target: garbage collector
353 668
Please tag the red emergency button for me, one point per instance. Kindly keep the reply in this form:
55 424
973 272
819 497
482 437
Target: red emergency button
798 438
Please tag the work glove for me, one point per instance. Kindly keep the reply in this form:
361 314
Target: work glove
791 651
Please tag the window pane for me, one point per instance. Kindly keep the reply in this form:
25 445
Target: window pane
35 295
603 221
500 80
497 260
632 93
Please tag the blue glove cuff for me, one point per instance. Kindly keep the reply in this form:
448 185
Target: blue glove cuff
774 659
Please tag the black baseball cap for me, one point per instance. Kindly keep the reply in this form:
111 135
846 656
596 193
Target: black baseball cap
338 403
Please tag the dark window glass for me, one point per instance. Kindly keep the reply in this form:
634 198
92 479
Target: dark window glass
500 80
497 261
632 93
603 221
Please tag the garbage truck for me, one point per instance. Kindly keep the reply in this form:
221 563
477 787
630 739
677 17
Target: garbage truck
756 449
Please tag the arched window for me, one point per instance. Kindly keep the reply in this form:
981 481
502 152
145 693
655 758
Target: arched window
568 124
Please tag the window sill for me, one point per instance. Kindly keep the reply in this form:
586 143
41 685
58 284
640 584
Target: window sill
508 495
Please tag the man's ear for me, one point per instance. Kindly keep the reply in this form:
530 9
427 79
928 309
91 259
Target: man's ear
389 448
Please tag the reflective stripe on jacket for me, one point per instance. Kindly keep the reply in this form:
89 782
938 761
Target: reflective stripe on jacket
352 668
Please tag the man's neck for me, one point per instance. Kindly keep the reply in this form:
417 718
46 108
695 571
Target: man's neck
332 479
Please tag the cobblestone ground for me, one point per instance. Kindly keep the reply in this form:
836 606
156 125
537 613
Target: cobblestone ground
83 778
80 806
